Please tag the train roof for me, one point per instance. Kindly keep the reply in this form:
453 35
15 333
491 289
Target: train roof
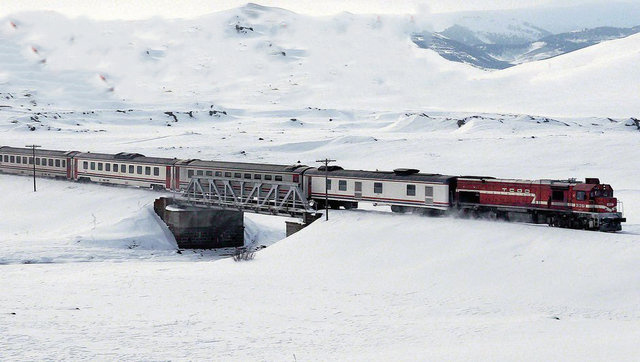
400 174
39 151
126 157
550 182
263 167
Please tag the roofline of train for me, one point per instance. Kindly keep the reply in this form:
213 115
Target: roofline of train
335 171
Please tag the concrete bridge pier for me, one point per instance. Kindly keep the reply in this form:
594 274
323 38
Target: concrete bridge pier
202 228
295 226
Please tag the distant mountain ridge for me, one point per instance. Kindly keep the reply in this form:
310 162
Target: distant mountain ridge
489 50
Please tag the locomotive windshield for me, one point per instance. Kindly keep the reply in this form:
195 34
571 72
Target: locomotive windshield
602 193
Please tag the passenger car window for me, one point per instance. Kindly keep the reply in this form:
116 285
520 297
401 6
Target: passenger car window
51 163
237 175
278 178
139 170
411 190
342 185
328 184
93 165
377 187
209 173
156 171
227 174
147 170
107 167
247 176
218 173
267 177
115 167
257 177
99 165
199 172
85 164
190 173
57 163
6 158
37 161
131 169
64 163
12 159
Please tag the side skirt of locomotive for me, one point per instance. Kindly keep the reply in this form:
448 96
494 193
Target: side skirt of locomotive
558 218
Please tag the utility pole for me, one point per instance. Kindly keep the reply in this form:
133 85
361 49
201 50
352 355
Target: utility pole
33 148
326 184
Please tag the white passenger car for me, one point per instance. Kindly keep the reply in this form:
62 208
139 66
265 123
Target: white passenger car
124 169
48 163
403 189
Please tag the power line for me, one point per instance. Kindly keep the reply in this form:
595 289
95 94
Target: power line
326 185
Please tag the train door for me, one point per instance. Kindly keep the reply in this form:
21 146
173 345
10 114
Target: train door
357 191
176 178
428 195
167 184
75 169
309 179
69 168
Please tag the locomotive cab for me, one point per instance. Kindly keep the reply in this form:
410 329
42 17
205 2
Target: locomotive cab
597 199
602 196
594 198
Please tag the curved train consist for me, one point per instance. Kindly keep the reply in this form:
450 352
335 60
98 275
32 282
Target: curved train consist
564 203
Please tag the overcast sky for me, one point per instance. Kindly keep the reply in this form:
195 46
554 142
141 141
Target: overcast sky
138 9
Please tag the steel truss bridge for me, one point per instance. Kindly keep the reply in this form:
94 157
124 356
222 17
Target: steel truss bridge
257 196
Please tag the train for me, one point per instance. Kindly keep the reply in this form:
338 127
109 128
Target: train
588 204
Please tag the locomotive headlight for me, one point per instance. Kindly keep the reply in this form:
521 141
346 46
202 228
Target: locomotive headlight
312 203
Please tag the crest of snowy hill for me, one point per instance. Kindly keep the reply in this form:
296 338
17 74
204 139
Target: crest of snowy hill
494 31
502 38
258 58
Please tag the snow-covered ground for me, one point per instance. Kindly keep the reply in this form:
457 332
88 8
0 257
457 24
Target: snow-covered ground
363 286
65 222
88 271
366 285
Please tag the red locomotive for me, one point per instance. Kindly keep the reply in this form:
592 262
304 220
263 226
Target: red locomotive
579 205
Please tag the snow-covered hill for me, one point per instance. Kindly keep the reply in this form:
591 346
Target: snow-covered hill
265 58
462 45
554 18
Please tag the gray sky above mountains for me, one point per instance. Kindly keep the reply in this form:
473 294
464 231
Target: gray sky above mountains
128 9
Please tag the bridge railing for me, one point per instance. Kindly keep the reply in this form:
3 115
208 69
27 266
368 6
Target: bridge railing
258 196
